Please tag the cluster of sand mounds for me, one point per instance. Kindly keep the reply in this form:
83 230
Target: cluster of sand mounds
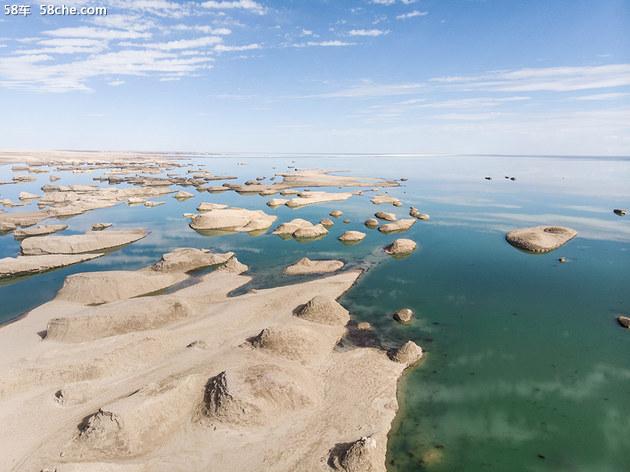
540 238
251 382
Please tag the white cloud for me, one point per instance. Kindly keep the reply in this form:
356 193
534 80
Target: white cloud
323 43
183 43
372 90
472 102
35 72
116 83
239 4
412 14
203 28
557 79
248 47
372 32
91 32
391 2
603 96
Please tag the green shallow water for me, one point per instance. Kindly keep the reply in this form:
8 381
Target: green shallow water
525 369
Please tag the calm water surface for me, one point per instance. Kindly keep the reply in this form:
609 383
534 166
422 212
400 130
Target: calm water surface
525 368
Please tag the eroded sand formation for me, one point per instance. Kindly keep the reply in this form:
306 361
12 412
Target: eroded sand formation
194 379
540 238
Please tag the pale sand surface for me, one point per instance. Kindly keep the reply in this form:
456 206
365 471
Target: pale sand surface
108 377
257 388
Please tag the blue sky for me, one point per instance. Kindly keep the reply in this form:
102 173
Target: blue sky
358 76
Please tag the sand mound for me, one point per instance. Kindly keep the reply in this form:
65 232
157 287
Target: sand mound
297 343
291 227
233 266
186 259
401 247
379 199
124 316
25 265
409 353
76 393
39 231
205 206
311 198
382 215
540 238
307 266
114 285
257 395
399 226
314 231
232 219
359 456
352 236
324 310
76 244
140 422
403 316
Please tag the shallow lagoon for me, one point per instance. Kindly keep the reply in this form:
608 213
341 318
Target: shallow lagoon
525 366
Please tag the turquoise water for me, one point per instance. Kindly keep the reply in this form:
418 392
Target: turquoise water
525 366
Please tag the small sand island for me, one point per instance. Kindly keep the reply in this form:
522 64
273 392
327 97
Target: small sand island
540 238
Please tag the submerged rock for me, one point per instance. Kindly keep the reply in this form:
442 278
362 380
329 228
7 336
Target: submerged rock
624 321
336 213
540 238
